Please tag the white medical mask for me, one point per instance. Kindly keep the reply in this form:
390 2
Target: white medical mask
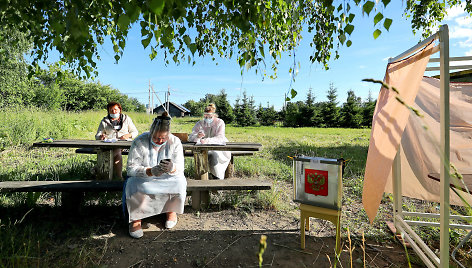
208 120
114 115
157 146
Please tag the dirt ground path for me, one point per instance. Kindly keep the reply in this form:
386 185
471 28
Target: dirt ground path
230 238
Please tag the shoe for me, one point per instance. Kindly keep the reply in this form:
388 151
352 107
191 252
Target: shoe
171 224
135 234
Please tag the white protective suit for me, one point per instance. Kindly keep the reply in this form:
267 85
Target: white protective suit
214 134
107 128
147 196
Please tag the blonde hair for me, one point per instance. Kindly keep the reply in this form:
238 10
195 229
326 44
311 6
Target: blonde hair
211 108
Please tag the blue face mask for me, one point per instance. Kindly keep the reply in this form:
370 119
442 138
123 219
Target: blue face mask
208 120
157 146
114 115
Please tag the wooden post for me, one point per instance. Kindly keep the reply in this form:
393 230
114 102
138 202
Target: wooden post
230 169
201 198
105 164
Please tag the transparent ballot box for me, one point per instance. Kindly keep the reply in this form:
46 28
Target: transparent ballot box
318 181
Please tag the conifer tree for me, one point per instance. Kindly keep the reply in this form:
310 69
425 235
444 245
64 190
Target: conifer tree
351 116
329 109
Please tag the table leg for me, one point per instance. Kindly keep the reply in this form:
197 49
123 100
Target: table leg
230 169
105 165
201 198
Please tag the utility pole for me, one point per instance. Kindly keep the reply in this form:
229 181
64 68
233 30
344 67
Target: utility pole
152 101
168 97
149 103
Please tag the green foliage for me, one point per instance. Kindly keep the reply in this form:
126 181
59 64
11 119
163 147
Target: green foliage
223 107
350 112
329 109
367 111
244 111
52 88
267 116
180 30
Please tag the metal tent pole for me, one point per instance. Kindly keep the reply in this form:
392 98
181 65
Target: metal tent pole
445 146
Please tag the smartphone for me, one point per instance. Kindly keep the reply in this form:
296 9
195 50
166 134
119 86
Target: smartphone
165 160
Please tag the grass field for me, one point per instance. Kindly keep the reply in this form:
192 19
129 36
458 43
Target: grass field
19 243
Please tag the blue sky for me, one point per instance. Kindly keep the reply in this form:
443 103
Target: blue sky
366 58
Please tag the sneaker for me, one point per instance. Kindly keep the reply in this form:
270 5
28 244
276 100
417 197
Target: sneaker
137 233
171 224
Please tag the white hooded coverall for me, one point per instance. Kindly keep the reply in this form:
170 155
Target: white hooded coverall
147 196
214 134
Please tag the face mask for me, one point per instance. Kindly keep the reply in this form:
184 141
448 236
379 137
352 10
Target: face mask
157 146
208 120
114 115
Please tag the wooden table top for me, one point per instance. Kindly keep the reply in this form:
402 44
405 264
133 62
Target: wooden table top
230 146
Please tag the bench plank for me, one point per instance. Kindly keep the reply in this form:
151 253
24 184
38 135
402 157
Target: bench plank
101 186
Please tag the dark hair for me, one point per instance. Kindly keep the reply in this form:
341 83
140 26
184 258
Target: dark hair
113 103
161 123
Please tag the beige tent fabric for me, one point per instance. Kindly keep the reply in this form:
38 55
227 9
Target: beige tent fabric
389 121
420 153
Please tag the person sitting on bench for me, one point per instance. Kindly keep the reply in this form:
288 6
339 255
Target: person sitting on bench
116 126
156 182
211 130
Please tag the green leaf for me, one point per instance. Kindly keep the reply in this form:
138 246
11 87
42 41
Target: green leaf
377 33
146 41
123 22
349 28
385 2
187 40
157 6
387 23
287 99
261 50
193 48
368 6
378 18
117 58
153 53
351 17
342 38
348 43
293 92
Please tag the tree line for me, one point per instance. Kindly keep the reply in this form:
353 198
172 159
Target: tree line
49 87
353 113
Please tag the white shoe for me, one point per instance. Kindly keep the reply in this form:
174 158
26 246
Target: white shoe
135 234
171 224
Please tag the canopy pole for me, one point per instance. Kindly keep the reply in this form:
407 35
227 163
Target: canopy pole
445 146
415 48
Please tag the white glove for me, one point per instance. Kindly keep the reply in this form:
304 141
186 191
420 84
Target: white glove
156 171
166 165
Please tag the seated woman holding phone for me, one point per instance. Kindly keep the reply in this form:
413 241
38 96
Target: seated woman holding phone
156 182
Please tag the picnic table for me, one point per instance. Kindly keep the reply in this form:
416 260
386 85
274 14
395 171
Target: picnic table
105 153
200 155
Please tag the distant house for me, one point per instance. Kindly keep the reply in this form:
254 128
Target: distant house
175 110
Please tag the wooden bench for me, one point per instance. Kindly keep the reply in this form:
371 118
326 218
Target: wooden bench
228 173
197 187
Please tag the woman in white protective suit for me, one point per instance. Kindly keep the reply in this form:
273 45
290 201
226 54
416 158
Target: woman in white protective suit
156 182
211 130
116 126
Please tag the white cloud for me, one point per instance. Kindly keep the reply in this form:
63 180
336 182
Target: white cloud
462 33
464 21
362 67
469 53
454 12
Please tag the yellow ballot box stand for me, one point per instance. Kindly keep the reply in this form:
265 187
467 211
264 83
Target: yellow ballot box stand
318 188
